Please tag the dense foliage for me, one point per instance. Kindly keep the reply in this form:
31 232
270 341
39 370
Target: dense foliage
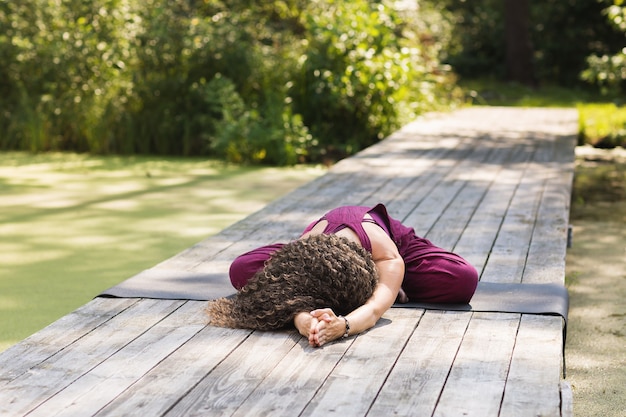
274 82
609 71
563 34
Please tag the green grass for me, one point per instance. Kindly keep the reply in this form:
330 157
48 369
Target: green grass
603 125
73 225
498 93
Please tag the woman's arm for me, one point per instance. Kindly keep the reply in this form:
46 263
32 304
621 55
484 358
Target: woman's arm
390 266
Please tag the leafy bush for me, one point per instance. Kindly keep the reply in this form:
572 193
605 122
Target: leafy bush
606 71
609 71
63 72
366 70
272 82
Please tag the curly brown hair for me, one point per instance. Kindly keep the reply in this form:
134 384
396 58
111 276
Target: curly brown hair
315 272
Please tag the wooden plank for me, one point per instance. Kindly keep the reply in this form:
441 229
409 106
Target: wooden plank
435 212
294 381
29 390
415 384
414 166
352 386
532 386
511 126
418 166
92 391
547 252
228 385
419 190
490 154
567 399
476 382
548 246
477 179
428 211
160 389
482 230
44 344
508 255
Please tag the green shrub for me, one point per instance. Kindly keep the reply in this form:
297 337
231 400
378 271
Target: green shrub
252 82
366 70
602 125
243 135
609 71
64 70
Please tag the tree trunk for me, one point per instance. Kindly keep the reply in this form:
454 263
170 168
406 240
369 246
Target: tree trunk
519 50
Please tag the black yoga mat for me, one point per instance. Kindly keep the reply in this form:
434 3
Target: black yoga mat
544 299
171 284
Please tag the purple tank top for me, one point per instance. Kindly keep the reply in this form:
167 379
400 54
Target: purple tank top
352 217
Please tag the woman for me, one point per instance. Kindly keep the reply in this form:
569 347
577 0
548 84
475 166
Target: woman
340 276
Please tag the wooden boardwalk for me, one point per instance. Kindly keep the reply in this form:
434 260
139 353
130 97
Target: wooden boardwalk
493 184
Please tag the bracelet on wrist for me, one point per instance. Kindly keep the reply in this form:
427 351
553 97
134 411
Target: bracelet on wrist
347 332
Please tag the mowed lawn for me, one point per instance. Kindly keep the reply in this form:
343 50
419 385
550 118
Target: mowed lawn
73 225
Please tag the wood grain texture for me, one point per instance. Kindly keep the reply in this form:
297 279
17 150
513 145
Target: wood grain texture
50 377
532 386
419 375
57 336
228 385
163 386
478 376
352 386
120 371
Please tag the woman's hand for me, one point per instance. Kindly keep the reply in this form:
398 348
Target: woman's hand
329 327
305 323
320 326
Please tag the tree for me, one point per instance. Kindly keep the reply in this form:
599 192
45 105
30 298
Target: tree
519 49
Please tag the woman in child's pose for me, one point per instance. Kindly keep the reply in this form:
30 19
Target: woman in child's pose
340 276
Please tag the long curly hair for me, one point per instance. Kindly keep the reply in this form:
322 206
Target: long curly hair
315 272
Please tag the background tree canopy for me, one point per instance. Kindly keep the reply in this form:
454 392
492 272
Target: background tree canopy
277 82
563 35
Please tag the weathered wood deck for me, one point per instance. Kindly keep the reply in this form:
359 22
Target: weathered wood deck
493 184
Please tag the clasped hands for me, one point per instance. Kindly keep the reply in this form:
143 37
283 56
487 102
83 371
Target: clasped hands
320 326
323 325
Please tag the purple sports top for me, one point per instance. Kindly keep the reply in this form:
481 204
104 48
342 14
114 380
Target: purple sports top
352 217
